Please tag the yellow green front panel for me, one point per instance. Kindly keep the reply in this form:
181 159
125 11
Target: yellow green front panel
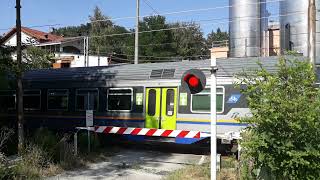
161 108
169 108
153 107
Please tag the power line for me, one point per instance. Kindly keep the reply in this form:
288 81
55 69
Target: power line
169 13
161 44
192 10
188 26
148 4
35 26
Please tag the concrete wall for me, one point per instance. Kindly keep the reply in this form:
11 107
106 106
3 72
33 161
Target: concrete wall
220 52
79 61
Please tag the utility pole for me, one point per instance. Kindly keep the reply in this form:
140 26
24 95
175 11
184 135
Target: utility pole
19 95
136 46
312 32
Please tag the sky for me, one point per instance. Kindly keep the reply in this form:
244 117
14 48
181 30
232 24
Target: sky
60 13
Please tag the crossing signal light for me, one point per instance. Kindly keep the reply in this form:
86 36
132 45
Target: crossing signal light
193 81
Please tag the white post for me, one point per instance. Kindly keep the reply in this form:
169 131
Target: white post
213 87
84 51
87 51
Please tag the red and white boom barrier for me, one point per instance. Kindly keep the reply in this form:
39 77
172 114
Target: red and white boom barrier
146 132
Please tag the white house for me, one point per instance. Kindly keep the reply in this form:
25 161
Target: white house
68 52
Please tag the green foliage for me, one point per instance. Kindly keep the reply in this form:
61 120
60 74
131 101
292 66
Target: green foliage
47 141
32 57
217 38
73 31
6 66
83 141
185 40
36 58
283 141
158 40
189 41
199 172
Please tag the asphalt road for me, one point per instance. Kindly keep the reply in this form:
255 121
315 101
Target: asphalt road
134 164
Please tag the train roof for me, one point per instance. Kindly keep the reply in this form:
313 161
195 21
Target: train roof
167 70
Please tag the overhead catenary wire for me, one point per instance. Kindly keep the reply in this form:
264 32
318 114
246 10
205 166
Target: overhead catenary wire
176 28
164 29
33 26
161 14
221 42
149 5
167 13
190 10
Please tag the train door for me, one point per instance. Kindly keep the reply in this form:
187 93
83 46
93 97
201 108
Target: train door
161 108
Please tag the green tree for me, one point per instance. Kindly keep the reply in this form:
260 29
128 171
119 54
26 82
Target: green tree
217 38
32 57
6 65
189 41
156 43
283 141
36 58
73 31
100 25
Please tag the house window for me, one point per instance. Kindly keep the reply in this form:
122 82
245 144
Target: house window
200 103
32 100
86 99
7 100
58 99
120 99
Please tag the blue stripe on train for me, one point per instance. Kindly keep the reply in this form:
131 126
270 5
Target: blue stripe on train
208 123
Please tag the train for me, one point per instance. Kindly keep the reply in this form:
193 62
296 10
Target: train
134 96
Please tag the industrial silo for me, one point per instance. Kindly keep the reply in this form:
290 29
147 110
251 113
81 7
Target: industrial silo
247 23
294 25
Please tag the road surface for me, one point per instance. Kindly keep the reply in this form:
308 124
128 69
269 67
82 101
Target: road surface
133 165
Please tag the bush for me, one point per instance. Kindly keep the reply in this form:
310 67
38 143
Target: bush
83 141
5 171
33 163
200 172
47 141
283 140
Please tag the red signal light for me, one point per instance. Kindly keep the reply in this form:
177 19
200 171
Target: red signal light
194 81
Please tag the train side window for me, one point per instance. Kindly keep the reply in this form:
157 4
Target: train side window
32 100
86 99
7 100
170 102
152 102
120 99
58 99
200 103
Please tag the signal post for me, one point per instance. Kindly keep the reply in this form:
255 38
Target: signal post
213 127
194 81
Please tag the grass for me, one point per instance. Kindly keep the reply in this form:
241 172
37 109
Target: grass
202 172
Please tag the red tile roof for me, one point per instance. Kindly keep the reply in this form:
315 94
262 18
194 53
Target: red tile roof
38 35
